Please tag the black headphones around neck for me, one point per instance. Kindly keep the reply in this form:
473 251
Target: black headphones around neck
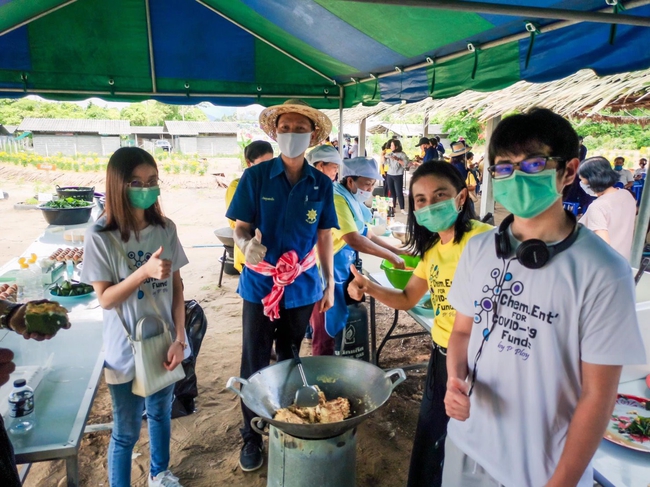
533 253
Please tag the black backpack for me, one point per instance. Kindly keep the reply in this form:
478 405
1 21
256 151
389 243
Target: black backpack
186 390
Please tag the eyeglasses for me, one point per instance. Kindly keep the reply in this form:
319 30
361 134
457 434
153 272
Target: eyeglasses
532 165
141 184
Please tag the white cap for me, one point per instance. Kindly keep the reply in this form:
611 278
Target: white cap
360 166
324 153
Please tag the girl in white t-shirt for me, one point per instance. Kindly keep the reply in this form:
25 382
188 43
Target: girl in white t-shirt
134 218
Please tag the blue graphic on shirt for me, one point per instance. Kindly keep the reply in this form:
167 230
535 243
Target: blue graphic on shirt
488 304
139 258
515 322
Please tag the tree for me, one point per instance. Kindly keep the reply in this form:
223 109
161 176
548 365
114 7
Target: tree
99 113
187 113
460 125
146 113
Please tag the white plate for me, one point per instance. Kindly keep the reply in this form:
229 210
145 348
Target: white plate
627 408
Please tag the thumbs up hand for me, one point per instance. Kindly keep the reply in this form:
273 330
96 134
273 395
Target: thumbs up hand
254 251
156 267
358 286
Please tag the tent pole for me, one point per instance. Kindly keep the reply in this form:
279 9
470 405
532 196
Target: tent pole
36 17
150 40
488 45
425 126
487 196
362 138
257 36
520 11
341 91
641 229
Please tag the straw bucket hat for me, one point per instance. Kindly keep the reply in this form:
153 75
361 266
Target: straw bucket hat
269 118
459 148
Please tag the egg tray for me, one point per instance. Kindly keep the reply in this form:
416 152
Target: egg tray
76 254
8 292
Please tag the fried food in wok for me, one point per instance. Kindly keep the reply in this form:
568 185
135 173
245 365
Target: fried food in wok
326 412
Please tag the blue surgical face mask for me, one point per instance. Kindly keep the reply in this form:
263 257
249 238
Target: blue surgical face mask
292 145
618 168
362 196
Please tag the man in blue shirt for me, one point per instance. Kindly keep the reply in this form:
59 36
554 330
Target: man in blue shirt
430 152
284 211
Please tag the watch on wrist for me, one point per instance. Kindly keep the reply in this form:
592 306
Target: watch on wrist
6 314
183 344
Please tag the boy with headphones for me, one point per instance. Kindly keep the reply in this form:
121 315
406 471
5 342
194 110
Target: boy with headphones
545 319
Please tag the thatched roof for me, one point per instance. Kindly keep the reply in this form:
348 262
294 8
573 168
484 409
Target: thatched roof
581 95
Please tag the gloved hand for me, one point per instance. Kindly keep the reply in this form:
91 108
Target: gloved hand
254 251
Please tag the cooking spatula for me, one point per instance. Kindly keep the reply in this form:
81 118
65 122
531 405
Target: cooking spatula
306 396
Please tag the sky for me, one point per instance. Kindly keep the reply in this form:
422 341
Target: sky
212 111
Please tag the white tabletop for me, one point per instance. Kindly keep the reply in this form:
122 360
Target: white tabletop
64 371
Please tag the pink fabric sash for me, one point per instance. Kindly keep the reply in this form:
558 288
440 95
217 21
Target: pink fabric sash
284 273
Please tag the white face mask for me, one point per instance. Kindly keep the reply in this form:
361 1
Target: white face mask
587 189
292 145
362 196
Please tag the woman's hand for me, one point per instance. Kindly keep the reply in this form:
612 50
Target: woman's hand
174 356
398 262
328 298
156 267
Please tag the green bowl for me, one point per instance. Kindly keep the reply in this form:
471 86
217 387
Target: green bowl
397 277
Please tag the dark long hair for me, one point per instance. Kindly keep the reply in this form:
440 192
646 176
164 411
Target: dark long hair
419 238
118 209
398 145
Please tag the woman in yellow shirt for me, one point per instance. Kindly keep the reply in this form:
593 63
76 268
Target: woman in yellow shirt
440 223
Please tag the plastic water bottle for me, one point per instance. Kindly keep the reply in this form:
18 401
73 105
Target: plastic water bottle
29 282
23 281
21 407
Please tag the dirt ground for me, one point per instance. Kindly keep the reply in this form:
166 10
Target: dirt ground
205 445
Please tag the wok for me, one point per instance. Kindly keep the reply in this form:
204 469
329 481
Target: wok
365 385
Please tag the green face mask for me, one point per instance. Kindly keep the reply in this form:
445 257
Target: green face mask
143 198
527 195
439 216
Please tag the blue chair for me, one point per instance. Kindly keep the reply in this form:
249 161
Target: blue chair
571 206
637 190
619 185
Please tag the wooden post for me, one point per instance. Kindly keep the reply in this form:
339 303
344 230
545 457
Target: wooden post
362 138
487 197
425 126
